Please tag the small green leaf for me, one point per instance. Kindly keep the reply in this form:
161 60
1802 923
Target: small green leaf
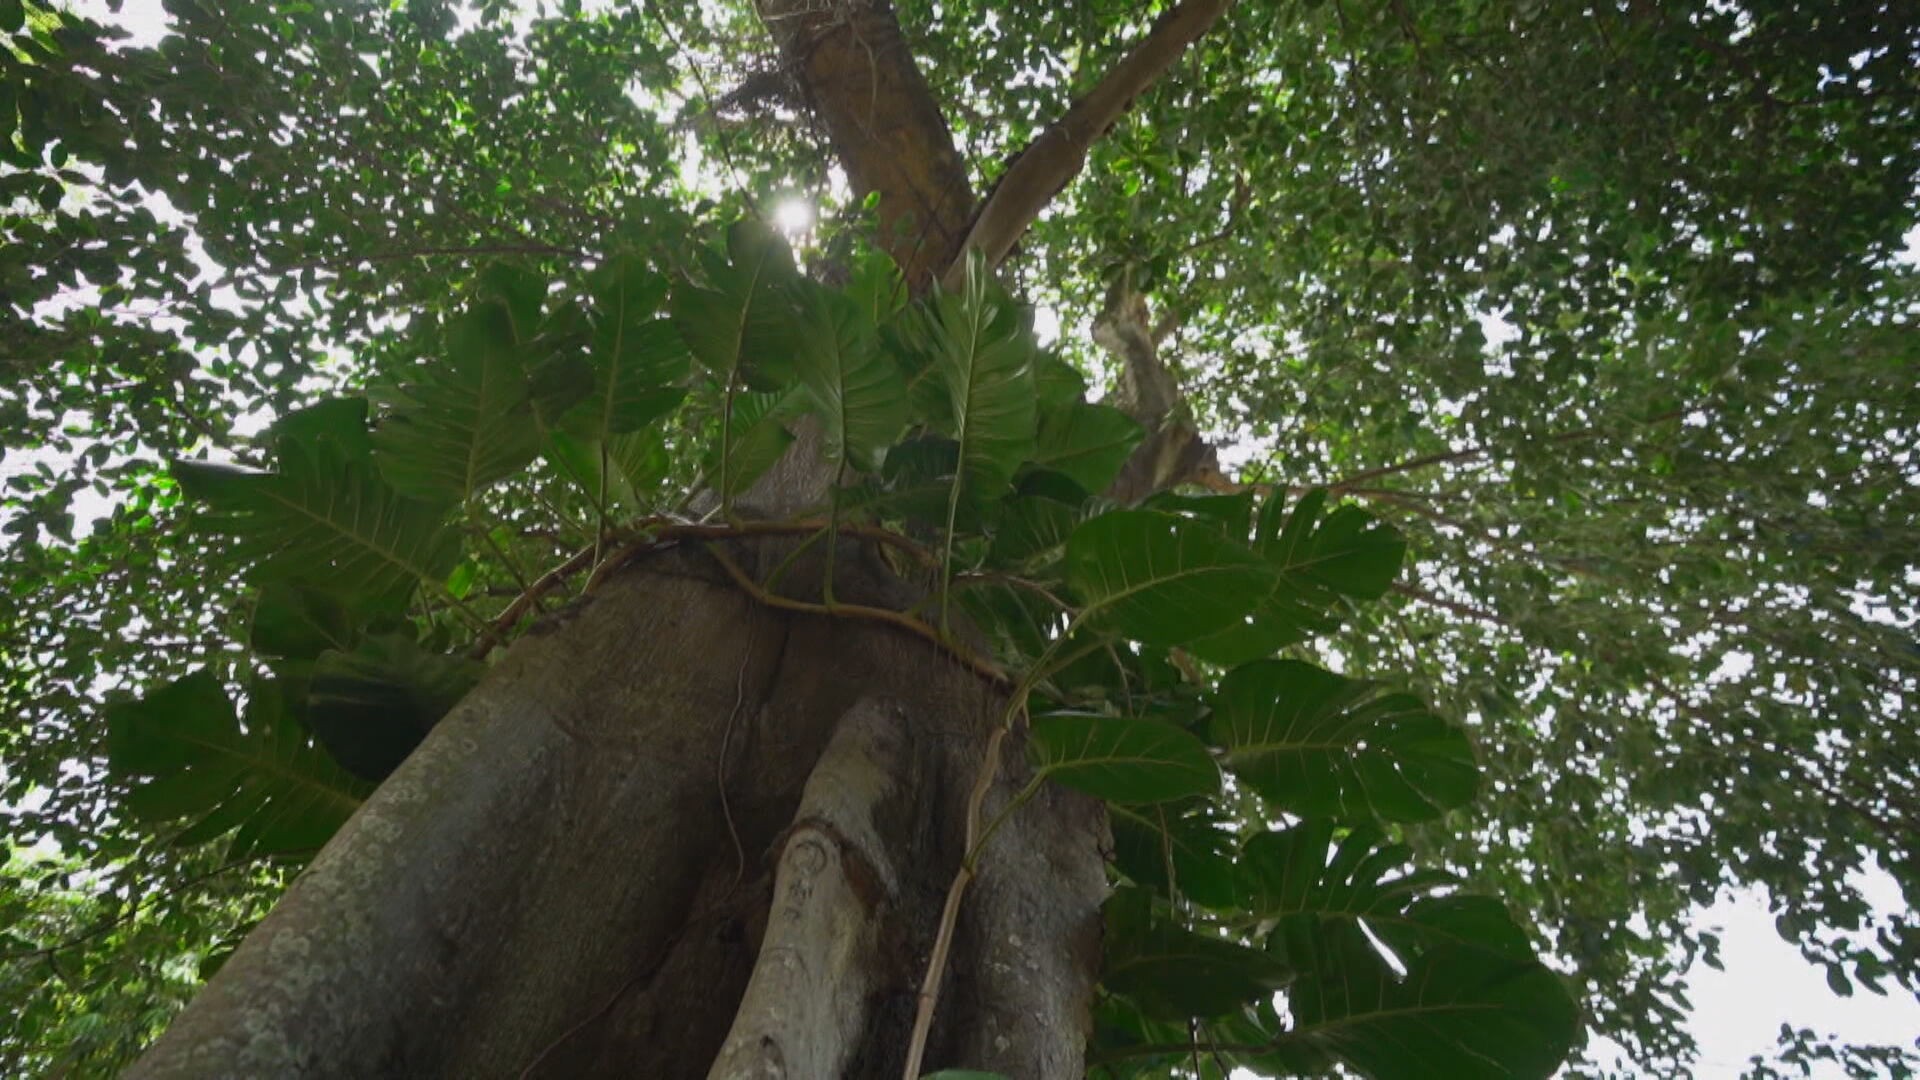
1122 759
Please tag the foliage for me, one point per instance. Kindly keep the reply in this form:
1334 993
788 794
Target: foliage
458 267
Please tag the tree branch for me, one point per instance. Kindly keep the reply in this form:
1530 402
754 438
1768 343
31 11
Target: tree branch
1056 155
1449 456
882 121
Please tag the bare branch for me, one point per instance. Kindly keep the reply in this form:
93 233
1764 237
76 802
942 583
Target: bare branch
1056 155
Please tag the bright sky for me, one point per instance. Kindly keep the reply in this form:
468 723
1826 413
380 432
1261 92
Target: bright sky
1738 1012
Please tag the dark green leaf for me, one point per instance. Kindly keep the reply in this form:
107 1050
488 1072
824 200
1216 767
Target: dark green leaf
1174 973
857 391
1121 759
741 324
322 521
187 756
1316 744
372 706
465 420
1162 579
1088 443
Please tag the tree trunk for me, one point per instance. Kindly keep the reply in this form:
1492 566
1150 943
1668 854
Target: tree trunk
665 800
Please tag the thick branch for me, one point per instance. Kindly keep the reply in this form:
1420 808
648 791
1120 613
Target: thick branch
824 956
1056 155
883 122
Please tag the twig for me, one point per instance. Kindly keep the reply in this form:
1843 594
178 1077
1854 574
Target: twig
980 666
1458 608
1450 456
950 914
720 769
548 582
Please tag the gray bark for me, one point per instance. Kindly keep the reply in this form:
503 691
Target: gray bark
552 886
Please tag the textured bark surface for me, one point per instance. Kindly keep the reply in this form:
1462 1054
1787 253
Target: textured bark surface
1173 453
552 886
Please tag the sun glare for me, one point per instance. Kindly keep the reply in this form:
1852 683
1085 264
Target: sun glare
794 216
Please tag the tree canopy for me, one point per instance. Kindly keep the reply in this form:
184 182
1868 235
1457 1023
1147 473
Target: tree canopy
1560 357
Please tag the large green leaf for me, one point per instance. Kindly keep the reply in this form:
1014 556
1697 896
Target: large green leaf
1459 1012
983 360
756 438
1162 579
1177 850
1122 759
323 521
370 707
1088 443
340 421
637 356
740 324
858 391
1461 995
1033 528
188 758
1319 560
876 285
1332 882
298 622
465 420
1171 972
1319 745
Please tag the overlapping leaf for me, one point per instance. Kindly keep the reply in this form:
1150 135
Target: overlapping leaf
1162 579
189 759
298 622
1174 973
740 323
1088 443
756 437
1333 882
857 391
983 365
464 420
637 356
371 706
1317 744
1318 560
1121 759
1458 1013
322 520
1179 850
